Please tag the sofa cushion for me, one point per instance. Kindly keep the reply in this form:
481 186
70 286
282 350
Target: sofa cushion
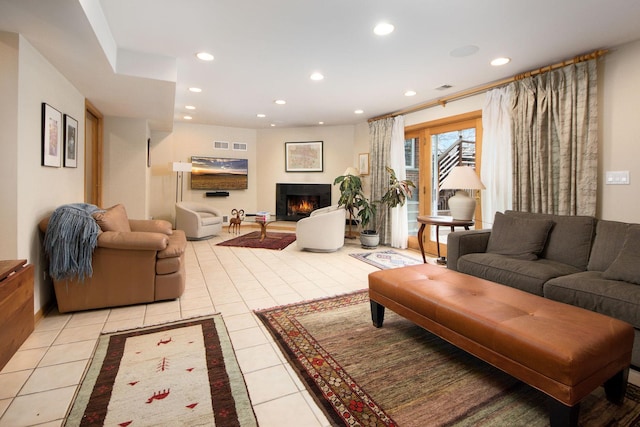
569 240
522 238
525 275
113 219
588 289
626 266
610 236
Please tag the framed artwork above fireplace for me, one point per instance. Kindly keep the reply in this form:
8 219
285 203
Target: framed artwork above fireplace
303 156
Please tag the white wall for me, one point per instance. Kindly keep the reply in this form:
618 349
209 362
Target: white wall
41 189
619 132
8 143
188 140
339 153
125 165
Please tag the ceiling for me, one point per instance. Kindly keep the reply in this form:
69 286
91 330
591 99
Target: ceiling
136 58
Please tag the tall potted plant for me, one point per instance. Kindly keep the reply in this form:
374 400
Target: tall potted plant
351 197
398 191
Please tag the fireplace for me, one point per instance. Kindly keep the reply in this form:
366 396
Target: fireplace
296 201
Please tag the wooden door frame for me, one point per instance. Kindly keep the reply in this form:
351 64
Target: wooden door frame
96 160
424 131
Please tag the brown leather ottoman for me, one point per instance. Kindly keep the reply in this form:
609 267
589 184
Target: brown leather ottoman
562 350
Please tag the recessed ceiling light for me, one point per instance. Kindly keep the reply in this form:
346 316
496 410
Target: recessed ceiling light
204 56
316 76
383 28
410 93
195 89
187 117
260 115
359 111
189 107
280 101
500 61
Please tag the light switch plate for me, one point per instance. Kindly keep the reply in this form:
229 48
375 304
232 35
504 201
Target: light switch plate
617 178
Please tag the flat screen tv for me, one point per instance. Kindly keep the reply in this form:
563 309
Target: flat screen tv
216 173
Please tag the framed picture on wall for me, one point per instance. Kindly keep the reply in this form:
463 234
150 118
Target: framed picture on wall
51 136
70 142
303 156
363 163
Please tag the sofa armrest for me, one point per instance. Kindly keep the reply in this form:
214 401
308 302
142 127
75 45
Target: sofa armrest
460 243
133 240
151 225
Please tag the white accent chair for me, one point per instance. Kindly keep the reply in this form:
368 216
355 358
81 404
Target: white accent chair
322 230
198 220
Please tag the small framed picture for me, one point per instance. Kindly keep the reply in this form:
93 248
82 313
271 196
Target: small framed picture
363 163
303 156
51 136
70 142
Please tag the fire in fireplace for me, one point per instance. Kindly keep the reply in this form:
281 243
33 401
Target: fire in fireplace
297 201
302 205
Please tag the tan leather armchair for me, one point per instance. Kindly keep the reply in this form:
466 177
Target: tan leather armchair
198 220
135 261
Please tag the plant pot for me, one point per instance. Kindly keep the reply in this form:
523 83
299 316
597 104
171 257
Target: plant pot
369 239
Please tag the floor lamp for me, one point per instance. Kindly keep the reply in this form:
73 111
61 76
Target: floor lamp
180 168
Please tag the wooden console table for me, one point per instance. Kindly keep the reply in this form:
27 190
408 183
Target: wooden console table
438 221
16 306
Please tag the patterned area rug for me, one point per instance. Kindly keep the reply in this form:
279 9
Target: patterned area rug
401 375
386 259
277 241
180 374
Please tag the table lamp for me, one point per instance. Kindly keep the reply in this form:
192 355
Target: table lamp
462 178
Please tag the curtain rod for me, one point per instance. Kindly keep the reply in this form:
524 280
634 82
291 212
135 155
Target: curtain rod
479 89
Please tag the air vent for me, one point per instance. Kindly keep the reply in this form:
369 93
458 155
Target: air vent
221 145
240 146
444 87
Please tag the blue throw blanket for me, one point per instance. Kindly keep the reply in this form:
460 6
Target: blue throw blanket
71 237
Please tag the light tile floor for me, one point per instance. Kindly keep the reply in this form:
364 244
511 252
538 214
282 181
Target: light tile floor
39 382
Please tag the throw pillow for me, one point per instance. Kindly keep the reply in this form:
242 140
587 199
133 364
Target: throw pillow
113 219
522 238
626 266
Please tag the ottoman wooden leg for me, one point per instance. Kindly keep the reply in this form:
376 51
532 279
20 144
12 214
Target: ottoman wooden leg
561 414
377 314
616 386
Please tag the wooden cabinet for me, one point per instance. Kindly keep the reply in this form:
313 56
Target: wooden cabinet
16 306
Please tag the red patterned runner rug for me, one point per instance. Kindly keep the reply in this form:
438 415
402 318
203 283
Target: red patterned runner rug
183 374
401 375
276 241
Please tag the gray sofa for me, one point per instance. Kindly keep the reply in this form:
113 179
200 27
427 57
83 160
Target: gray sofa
578 260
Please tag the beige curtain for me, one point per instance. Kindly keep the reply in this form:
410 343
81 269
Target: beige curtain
380 152
555 145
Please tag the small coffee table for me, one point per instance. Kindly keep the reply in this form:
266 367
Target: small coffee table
438 221
263 227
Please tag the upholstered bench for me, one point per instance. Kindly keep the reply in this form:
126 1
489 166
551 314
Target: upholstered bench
562 350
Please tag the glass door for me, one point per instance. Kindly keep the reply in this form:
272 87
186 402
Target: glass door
436 148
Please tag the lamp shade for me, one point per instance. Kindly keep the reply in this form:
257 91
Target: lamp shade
351 171
181 167
462 177
461 206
